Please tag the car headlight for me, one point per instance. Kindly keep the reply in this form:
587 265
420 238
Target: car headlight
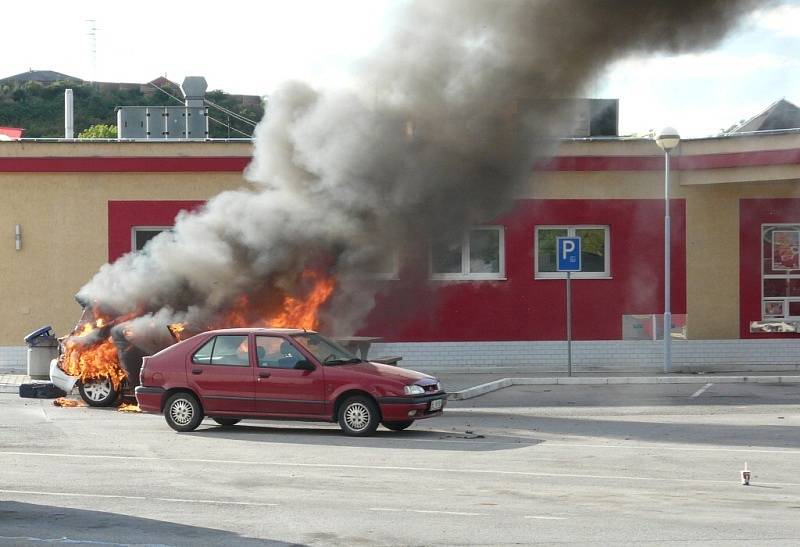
438 386
413 390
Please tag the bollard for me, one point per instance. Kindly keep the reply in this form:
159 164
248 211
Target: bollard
745 475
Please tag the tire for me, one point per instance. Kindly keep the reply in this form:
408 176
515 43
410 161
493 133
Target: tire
397 426
98 393
227 422
359 416
183 412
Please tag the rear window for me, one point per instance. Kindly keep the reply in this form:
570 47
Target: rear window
228 350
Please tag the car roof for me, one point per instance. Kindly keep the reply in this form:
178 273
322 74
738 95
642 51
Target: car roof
260 330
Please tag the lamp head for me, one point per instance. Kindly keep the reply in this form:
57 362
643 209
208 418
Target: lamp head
668 138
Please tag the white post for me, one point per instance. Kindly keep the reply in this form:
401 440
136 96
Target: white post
69 125
667 313
569 324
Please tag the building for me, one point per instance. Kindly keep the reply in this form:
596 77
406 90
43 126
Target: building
735 207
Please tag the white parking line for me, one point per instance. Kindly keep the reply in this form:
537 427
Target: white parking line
700 391
141 498
449 470
538 517
426 511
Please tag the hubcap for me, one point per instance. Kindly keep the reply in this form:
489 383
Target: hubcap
356 416
181 412
98 389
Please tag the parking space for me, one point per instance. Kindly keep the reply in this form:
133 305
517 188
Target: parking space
580 464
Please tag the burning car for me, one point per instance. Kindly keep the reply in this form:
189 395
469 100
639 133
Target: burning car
103 354
291 374
102 357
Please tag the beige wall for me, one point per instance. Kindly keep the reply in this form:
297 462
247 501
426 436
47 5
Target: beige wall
64 219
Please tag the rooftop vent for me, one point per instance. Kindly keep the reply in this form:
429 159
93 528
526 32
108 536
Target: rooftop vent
188 122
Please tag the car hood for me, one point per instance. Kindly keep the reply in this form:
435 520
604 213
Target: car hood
389 372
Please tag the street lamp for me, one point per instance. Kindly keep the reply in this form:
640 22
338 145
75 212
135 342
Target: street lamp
667 140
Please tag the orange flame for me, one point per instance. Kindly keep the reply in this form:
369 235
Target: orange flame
304 313
285 311
93 362
64 402
88 358
128 407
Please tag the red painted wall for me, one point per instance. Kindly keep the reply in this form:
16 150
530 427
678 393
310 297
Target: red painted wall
523 308
752 214
124 215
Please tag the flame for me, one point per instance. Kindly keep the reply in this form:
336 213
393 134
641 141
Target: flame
304 313
90 354
178 331
64 402
129 407
285 310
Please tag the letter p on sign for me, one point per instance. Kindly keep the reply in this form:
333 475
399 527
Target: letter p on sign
568 252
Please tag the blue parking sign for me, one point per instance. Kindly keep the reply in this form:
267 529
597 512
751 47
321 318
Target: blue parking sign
568 250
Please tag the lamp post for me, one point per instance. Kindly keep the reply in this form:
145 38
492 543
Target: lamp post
667 140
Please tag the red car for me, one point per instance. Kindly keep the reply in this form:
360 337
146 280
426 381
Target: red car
288 374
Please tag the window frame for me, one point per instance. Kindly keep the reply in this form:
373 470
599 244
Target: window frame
571 231
135 229
394 275
789 275
465 274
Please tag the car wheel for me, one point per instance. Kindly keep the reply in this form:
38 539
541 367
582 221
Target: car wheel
397 426
358 416
98 392
183 412
227 422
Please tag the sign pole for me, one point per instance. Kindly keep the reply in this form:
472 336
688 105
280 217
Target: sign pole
568 260
569 324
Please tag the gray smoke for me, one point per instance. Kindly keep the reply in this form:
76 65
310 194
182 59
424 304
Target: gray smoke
441 130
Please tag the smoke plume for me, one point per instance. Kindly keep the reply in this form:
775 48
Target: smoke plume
443 126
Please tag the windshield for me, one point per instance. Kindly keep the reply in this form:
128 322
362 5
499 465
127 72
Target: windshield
325 350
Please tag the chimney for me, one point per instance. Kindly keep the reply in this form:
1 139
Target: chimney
194 90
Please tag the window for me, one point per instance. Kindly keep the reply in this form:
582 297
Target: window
223 350
276 352
324 350
140 235
480 254
780 271
595 251
384 265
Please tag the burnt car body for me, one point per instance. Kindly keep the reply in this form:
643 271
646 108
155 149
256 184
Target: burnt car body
290 374
100 391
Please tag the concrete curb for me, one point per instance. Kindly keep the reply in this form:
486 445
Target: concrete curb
489 387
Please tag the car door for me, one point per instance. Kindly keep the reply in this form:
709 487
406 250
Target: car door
221 373
282 389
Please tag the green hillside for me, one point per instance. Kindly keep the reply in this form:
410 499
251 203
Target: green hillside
39 109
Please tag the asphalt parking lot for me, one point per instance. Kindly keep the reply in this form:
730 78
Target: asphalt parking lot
580 465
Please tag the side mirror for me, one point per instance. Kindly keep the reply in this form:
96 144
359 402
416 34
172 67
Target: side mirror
304 364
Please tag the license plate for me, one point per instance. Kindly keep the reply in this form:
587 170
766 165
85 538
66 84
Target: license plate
437 404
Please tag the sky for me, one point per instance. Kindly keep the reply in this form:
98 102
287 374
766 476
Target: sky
250 47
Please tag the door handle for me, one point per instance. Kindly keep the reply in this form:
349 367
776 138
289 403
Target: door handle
264 374
197 371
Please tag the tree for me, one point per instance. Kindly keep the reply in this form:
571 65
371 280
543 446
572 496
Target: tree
99 131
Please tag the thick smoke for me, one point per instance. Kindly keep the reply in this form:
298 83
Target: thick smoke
444 125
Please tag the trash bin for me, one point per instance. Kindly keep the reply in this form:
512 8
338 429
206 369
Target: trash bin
42 348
